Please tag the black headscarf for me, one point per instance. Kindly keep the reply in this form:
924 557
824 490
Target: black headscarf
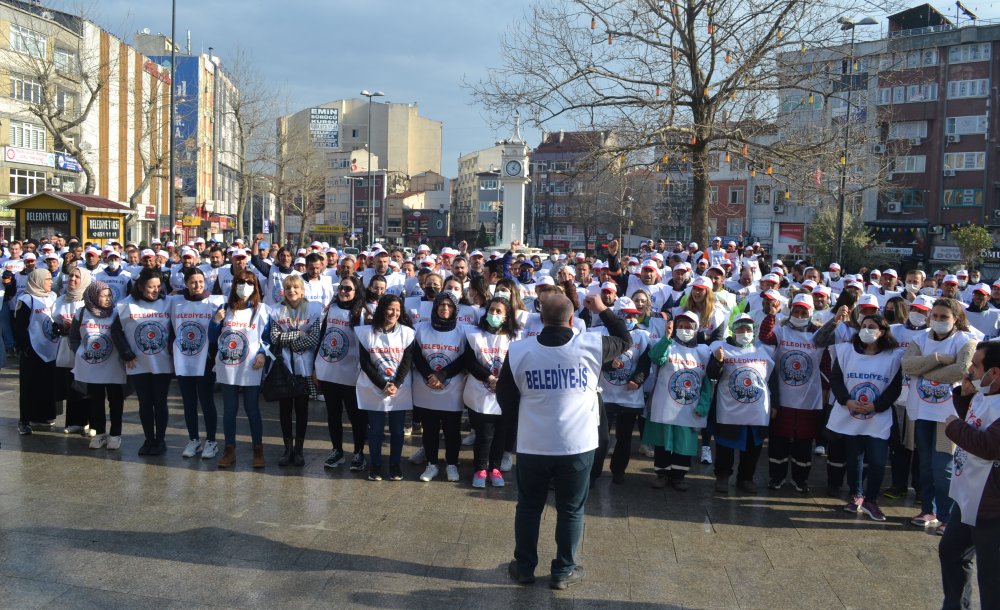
437 322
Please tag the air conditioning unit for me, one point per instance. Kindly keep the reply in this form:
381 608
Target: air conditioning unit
996 214
878 149
949 172
55 182
779 208
916 141
954 139
894 207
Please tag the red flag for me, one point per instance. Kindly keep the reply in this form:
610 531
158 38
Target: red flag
818 177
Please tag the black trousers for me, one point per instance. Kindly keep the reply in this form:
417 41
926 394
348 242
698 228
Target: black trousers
725 457
669 464
300 405
603 440
488 448
151 389
77 404
625 421
903 462
115 395
956 550
836 460
340 397
781 451
37 400
434 422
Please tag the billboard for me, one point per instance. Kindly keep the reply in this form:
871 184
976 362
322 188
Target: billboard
185 121
324 127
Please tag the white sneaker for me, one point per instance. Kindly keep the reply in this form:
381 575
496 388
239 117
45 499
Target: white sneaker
209 450
192 448
114 443
820 450
706 454
647 451
452 472
470 439
99 441
506 462
430 473
419 456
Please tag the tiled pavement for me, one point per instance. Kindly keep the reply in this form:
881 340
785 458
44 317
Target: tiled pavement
82 529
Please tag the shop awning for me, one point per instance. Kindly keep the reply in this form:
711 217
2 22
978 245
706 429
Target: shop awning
87 203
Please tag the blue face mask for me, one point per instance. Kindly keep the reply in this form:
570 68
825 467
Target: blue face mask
630 324
494 320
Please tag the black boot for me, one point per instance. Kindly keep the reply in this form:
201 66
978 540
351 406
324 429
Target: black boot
286 457
297 458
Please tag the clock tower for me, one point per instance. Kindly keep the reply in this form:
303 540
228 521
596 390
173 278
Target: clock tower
513 177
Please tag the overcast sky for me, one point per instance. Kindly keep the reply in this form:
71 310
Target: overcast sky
317 51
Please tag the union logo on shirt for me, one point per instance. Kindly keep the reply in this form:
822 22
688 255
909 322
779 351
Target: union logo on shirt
933 391
233 348
796 368
96 349
334 346
150 338
746 385
190 338
685 387
865 393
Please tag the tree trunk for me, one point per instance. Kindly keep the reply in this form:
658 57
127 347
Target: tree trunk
701 195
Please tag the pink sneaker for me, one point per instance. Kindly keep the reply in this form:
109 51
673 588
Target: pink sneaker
496 478
925 520
854 504
479 479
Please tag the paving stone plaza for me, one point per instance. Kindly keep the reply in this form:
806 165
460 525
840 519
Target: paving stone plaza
81 528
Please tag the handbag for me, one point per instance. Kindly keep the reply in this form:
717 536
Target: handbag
280 383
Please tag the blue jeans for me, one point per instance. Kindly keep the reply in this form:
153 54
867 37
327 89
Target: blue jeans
193 389
231 406
7 325
935 471
151 389
376 434
876 450
571 475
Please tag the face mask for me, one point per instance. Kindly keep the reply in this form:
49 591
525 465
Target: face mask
633 269
834 275
113 264
914 288
494 320
630 324
980 386
430 292
962 283
686 334
457 294
868 335
798 322
743 339
927 291
917 320
502 294
553 258
941 328
523 276
244 291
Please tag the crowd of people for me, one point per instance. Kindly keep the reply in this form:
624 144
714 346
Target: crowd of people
728 347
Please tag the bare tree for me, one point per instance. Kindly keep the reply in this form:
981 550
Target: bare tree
300 176
152 128
690 75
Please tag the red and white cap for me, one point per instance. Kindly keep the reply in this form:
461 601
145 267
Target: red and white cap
803 300
50 256
649 264
626 305
47 248
963 273
188 253
29 256
92 250
950 279
809 285
690 316
702 282
316 245
545 280
891 273
113 253
771 277
821 289
147 253
922 302
771 295
834 266
580 256
299 261
476 253
609 287
868 300
717 268
983 288
240 253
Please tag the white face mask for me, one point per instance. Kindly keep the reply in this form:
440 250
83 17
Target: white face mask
244 291
457 294
633 269
917 320
553 257
798 322
941 327
928 291
868 335
502 294
981 387
686 334
113 263
962 283
743 339
914 288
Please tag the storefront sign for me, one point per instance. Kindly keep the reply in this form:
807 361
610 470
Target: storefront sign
892 250
946 253
67 162
28 156
104 228
50 216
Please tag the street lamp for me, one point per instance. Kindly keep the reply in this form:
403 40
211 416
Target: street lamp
845 25
371 186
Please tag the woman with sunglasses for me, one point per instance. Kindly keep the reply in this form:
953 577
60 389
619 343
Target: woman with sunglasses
337 371
240 329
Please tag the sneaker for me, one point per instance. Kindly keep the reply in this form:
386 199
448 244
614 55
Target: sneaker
114 443
157 448
507 461
516 575
896 493
23 429
101 440
854 504
939 530
706 454
925 520
496 478
374 474
419 456
479 479
210 450
358 462
574 577
429 473
73 430
647 451
802 488
407 430
470 439
336 459
395 473
452 473
872 510
192 448
775 484
820 450
144 449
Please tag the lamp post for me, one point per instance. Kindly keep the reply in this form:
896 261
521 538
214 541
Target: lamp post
172 201
845 25
371 185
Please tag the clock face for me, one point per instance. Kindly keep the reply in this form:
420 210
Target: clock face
513 168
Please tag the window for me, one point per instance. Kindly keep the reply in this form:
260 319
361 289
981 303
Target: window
925 92
25 89
929 58
964 161
734 226
26 182
736 195
713 196
909 198
979 87
963 125
712 160
737 163
762 195
907 130
343 217
24 40
962 197
898 95
884 96
65 60
910 164
488 185
66 103
26 135
969 52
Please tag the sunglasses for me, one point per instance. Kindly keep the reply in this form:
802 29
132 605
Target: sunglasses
250 282
346 289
